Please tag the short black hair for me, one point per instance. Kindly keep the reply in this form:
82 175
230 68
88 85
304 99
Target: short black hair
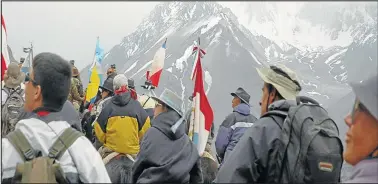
53 74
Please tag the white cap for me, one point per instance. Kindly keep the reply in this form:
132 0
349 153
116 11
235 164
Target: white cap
119 81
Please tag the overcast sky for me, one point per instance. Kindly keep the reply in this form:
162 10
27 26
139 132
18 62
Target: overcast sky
70 28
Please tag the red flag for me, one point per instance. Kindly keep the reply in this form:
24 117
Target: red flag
203 113
4 48
153 74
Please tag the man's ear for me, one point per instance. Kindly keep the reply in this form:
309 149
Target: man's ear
272 95
38 93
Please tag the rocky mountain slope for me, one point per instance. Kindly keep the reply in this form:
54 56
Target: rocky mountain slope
233 53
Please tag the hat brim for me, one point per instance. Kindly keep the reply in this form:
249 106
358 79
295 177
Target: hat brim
106 89
263 72
366 97
234 94
164 102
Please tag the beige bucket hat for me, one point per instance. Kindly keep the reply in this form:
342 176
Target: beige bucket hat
286 87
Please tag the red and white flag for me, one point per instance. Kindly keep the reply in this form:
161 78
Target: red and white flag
202 114
153 74
4 48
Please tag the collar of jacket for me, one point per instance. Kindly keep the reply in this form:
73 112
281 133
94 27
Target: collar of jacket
121 99
282 105
165 120
44 111
243 109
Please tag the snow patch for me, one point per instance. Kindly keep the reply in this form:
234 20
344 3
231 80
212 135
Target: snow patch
228 49
143 67
212 22
192 11
216 37
267 53
169 69
179 62
107 54
208 80
254 57
131 67
335 55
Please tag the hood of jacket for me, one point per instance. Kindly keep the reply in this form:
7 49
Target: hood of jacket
282 105
121 99
165 121
243 109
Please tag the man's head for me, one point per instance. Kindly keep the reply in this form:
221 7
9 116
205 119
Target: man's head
107 88
111 70
279 83
240 96
48 82
120 83
362 135
75 72
167 101
22 60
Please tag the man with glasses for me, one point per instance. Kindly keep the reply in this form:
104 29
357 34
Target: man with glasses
46 91
362 137
247 163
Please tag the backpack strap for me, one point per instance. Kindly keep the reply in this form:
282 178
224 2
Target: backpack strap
23 147
64 141
275 114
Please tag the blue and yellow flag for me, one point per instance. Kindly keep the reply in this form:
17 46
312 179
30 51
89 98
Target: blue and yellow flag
95 74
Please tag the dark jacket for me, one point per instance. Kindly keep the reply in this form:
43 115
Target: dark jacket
167 157
248 162
122 124
150 112
112 75
232 128
69 114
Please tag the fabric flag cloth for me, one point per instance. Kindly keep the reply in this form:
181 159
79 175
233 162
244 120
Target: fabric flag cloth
4 48
202 113
153 74
95 75
28 60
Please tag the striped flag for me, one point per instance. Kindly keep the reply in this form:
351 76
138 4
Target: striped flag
95 75
153 74
4 48
202 114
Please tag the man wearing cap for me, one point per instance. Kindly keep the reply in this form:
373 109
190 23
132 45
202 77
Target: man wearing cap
122 122
111 73
167 155
362 137
248 162
235 124
106 94
74 96
133 92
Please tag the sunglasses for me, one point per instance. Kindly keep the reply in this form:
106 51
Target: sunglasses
358 106
28 79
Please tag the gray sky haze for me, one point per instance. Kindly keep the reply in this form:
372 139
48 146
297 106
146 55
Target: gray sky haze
70 28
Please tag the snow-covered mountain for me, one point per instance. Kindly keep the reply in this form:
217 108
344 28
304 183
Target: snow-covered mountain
233 53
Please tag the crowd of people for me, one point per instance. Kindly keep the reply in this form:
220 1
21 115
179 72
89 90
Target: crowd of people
50 133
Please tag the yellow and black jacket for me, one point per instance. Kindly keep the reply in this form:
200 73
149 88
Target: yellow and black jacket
122 124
